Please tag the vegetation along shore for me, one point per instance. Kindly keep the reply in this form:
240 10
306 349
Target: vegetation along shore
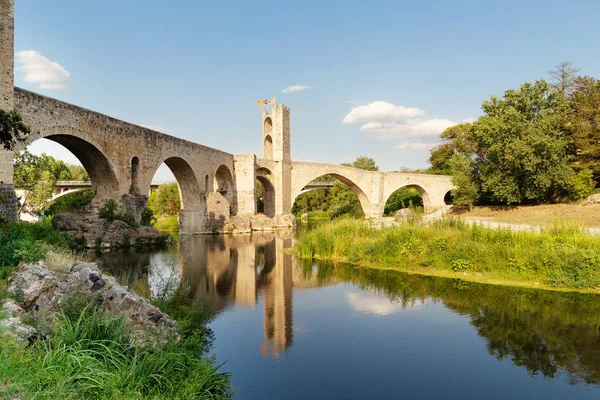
559 258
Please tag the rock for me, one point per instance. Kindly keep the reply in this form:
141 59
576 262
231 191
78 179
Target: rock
403 214
592 199
261 222
238 224
13 324
116 231
284 221
29 284
40 292
93 228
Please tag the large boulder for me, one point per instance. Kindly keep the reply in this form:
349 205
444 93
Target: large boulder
284 221
238 224
261 222
40 292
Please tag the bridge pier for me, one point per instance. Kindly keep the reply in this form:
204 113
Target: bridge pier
8 199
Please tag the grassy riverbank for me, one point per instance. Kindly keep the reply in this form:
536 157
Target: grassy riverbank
92 355
558 258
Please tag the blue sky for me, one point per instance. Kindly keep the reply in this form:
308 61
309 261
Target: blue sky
196 68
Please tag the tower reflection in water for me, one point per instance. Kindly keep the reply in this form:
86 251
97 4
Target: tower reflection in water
243 271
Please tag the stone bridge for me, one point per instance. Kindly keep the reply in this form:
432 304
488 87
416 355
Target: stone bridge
121 159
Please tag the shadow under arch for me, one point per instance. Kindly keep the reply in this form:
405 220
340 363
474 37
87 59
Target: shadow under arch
189 191
365 204
224 184
422 192
98 167
265 177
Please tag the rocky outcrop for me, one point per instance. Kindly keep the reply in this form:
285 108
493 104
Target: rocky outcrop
592 199
257 222
284 221
238 224
40 293
98 231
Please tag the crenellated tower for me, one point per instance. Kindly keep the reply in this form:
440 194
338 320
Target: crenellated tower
276 131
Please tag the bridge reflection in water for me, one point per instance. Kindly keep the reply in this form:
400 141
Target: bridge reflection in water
238 270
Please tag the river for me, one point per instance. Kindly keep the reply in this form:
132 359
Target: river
291 329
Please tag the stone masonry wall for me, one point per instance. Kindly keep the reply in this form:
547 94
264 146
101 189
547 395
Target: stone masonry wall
8 200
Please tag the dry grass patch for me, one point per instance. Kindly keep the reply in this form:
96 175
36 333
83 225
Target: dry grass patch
542 215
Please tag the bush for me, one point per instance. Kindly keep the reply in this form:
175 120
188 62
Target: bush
25 242
109 211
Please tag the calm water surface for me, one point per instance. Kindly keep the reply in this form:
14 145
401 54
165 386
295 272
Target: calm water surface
289 329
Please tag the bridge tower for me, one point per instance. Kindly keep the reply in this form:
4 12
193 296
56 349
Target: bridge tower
276 132
8 200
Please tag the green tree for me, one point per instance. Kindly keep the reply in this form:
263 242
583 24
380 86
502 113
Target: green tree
165 201
456 139
12 129
584 124
467 188
563 77
522 150
37 175
363 162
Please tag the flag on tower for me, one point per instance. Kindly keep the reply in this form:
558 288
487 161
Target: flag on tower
266 102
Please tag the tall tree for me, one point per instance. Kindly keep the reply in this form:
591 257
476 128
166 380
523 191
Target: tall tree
456 140
522 147
584 124
563 77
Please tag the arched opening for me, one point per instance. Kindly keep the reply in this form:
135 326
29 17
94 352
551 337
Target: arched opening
223 184
268 126
331 196
268 147
409 196
449 198
265 193
42 169
406 197
135 168
206 183
177 194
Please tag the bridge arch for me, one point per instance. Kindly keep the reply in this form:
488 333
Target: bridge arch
265 177
135 172
224 184
422 192
358 191
98 166
189 190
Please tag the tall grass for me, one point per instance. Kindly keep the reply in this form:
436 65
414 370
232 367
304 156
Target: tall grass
25 242
94 356
562 256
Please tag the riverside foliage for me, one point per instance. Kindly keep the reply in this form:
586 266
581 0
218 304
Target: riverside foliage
561 257
90 355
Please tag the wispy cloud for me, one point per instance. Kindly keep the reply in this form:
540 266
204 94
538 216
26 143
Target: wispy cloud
295 88
39 69
407 129
381 110
416 146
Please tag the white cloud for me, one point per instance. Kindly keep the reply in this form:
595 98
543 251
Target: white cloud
416 146
47 74
157 128
407 129
295 88
379 304
381 110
